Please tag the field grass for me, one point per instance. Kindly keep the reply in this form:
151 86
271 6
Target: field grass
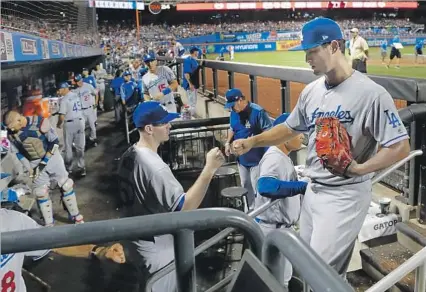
375 67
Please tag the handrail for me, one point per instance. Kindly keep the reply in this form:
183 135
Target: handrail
392 168
130 228
416 261
319 275
204 246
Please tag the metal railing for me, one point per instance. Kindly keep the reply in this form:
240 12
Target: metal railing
417 262
203 247
180 224
318 275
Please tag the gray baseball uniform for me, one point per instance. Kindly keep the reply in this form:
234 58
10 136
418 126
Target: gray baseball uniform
70 107
11 264
148 183
153 84
87 94
334 208
100 76
286 213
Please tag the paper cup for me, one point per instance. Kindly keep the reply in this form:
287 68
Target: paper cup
384 205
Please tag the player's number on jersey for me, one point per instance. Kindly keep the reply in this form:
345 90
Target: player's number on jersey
8 282
161 87
76 107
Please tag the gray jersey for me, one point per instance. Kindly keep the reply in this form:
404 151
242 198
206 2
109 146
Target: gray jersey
100 75
364 108
276 164
151 188
70 106
87 94
153 84
151 182
11 264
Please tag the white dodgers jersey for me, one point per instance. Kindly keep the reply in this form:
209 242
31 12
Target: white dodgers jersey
11 264
153 83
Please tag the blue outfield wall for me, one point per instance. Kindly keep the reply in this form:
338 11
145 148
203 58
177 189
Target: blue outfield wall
19 47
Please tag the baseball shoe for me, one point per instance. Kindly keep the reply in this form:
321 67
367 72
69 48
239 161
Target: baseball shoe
78 219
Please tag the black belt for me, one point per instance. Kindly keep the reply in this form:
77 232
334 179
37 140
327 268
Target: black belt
68 121
277 225
88 107
164 104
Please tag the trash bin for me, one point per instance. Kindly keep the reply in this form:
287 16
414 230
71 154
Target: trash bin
109 97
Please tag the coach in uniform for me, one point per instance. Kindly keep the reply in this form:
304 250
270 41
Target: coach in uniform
150 186
191 81
87 95
247 119
88 78
71 118
159 83
359 51
100 75
35 140
278 180
334 207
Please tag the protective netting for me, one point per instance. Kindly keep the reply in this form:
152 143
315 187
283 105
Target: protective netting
69 21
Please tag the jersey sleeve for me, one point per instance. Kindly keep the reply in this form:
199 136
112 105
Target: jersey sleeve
63 106
296 121
170 76
187 66
272 166
383 122
168 190
28 223
265 122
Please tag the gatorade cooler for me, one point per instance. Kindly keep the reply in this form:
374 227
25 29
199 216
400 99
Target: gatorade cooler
36 105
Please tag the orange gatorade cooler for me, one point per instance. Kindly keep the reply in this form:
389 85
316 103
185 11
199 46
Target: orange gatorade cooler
36 105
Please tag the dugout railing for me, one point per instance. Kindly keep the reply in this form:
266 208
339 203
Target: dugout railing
409 179
182 225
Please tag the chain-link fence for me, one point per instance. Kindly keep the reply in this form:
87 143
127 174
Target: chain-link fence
68 21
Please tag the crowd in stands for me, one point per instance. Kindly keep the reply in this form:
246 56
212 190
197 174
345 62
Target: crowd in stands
366 27
50 30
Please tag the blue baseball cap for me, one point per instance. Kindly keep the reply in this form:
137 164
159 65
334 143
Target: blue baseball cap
78 77
192 49
125 73
148 58
319 31
232 95
85 69
63 85
152 113
281 119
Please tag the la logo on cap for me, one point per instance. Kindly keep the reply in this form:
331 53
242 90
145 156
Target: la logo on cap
324 37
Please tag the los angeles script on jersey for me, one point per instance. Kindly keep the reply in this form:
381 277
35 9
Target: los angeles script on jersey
343 115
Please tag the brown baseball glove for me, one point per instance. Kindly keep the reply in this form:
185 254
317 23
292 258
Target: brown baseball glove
333 145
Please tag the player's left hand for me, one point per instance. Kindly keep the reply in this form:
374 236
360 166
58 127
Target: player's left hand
114 253
354 169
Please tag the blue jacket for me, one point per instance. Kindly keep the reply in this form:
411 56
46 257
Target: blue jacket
250 122
91 80
189 66
116 85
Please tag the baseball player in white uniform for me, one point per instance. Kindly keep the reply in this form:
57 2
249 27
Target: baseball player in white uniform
11 264
334 207
35 140
100 75
278 180
71 118
87 95
159 84
178 49
231 51
151 188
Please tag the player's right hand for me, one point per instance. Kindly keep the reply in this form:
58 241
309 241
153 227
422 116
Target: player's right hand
214 159
242 146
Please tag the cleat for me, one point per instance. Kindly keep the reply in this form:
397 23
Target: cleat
78 219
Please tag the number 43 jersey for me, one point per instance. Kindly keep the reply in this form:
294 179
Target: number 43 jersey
154 83
11 264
